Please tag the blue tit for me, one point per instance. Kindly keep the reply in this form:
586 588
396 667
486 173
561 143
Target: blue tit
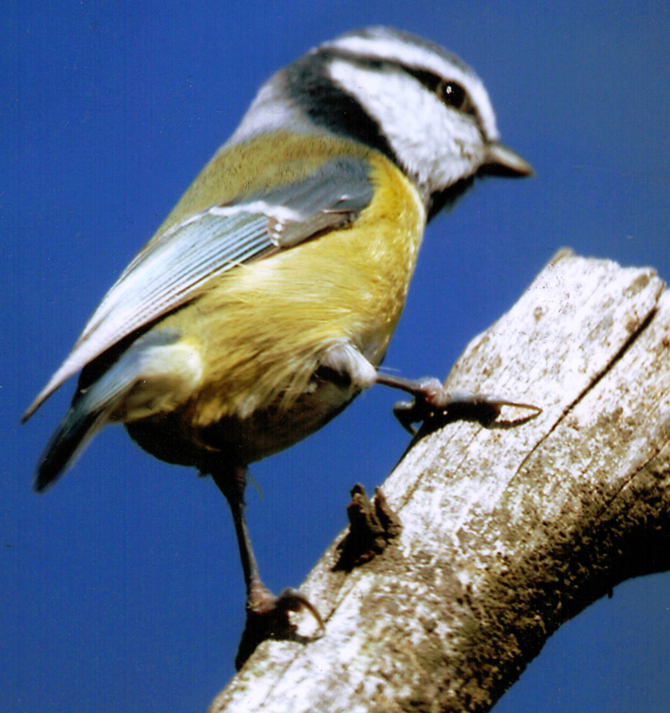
266 300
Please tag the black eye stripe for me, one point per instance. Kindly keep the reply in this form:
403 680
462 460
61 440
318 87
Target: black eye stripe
428 79
448 91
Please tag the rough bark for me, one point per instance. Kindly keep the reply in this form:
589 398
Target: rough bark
508 530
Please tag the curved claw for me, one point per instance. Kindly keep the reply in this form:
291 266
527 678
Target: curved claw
466 397
289 617
431 401
308 625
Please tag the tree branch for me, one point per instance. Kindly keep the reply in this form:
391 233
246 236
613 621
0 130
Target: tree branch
510 530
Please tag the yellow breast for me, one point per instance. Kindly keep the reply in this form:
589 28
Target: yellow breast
263 326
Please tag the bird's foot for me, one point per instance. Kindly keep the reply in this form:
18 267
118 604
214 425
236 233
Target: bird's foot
372 524
435 407
289 617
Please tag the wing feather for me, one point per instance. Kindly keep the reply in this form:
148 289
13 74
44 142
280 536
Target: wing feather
169 271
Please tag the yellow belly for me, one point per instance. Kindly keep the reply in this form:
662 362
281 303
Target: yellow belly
263 327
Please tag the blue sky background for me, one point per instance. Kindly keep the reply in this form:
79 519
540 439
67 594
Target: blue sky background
121 588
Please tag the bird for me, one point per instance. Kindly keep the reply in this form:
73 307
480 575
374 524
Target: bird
266 300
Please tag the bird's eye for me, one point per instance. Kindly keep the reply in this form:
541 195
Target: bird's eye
452 94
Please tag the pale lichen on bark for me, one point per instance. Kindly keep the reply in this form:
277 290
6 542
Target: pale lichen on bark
510 530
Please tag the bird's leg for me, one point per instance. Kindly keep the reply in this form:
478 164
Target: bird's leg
268 616
432 402
233 486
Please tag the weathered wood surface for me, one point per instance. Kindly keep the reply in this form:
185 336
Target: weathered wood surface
507 531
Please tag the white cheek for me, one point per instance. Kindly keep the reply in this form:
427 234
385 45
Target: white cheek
452 148
437 145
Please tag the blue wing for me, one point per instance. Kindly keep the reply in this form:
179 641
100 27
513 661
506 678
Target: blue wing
170 270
